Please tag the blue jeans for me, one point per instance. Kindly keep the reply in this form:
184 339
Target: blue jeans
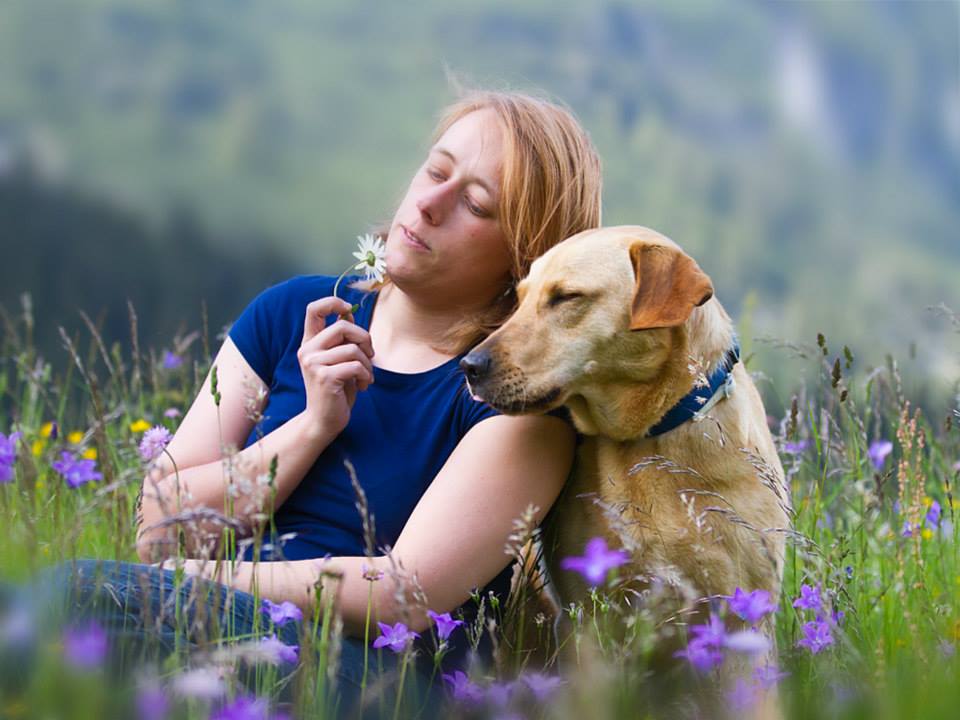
148 617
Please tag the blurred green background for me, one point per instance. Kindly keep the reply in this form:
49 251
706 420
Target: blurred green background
807 154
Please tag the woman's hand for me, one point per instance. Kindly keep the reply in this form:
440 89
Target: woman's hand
335 362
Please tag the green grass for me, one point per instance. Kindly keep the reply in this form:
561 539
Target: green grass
892 654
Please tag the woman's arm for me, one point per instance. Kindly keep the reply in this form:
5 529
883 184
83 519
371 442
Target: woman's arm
454 540
335 363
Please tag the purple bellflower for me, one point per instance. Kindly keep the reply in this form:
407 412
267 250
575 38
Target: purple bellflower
75 471
933 515
816 636
85 647
542 686
396 637
704 650
283 613
279 652
809 598
244 708
445 624
796 448
171 361
768 676
596 561
878 451
463 688
8 455
750 606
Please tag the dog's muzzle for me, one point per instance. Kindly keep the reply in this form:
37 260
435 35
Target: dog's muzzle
476 366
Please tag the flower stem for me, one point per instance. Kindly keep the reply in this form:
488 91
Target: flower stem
403 675
366 641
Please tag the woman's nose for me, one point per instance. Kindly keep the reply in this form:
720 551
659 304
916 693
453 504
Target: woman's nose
433 203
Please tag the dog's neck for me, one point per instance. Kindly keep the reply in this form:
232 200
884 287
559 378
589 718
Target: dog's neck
625 406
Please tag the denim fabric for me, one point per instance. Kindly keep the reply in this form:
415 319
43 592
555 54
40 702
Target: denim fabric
147 618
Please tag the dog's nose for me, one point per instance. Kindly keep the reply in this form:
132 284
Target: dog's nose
475 365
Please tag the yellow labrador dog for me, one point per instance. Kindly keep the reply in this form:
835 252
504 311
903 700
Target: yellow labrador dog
677 464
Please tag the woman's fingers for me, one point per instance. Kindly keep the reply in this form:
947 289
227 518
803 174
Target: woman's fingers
317 311
339 333
317 362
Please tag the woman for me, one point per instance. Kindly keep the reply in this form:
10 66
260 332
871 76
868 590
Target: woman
445 476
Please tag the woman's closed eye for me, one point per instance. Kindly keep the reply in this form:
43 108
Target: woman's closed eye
477 210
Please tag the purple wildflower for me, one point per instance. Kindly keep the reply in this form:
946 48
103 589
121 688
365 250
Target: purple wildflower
152 702
76 471
947 648
276 651
8 455
907 530
283 613
809 598
713 632
85 647
395 637
597 560
702 656
463 688
154 441
498 694
933 515
171 413
244 708
445 623
750 606
747 642
838 616
816 636
704 650
878 451
796 448
767 676
171 361
742 697
542 686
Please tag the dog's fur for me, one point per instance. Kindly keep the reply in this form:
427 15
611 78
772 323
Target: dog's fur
618 324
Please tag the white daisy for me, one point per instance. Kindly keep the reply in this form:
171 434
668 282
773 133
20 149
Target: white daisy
372 254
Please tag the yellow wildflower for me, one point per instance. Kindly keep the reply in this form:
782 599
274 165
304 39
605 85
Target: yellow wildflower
927 533
39 485
75 437
38 447
139 426
927 501
89 454
46 430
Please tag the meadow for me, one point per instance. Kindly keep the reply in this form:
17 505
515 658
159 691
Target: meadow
867 624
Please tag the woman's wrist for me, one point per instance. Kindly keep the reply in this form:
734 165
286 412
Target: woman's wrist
313 430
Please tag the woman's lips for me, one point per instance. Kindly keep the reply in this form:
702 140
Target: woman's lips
413 239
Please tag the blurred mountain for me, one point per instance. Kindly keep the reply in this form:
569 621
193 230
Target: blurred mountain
807 154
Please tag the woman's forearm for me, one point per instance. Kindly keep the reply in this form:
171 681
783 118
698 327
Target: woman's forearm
234 487
304 582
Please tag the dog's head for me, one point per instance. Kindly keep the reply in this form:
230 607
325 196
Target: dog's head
604 306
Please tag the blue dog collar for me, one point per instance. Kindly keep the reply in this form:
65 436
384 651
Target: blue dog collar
695 404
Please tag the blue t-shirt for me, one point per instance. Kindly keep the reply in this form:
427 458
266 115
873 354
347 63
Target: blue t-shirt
401 431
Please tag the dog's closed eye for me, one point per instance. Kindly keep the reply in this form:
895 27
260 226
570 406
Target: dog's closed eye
559 296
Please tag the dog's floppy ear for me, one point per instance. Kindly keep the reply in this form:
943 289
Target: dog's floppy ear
669 284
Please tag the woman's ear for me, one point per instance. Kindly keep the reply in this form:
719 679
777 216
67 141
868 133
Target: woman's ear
669 285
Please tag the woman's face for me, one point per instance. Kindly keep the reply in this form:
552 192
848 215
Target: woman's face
445 236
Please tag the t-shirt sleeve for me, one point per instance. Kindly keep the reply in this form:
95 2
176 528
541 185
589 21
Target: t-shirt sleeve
256 332
474 411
